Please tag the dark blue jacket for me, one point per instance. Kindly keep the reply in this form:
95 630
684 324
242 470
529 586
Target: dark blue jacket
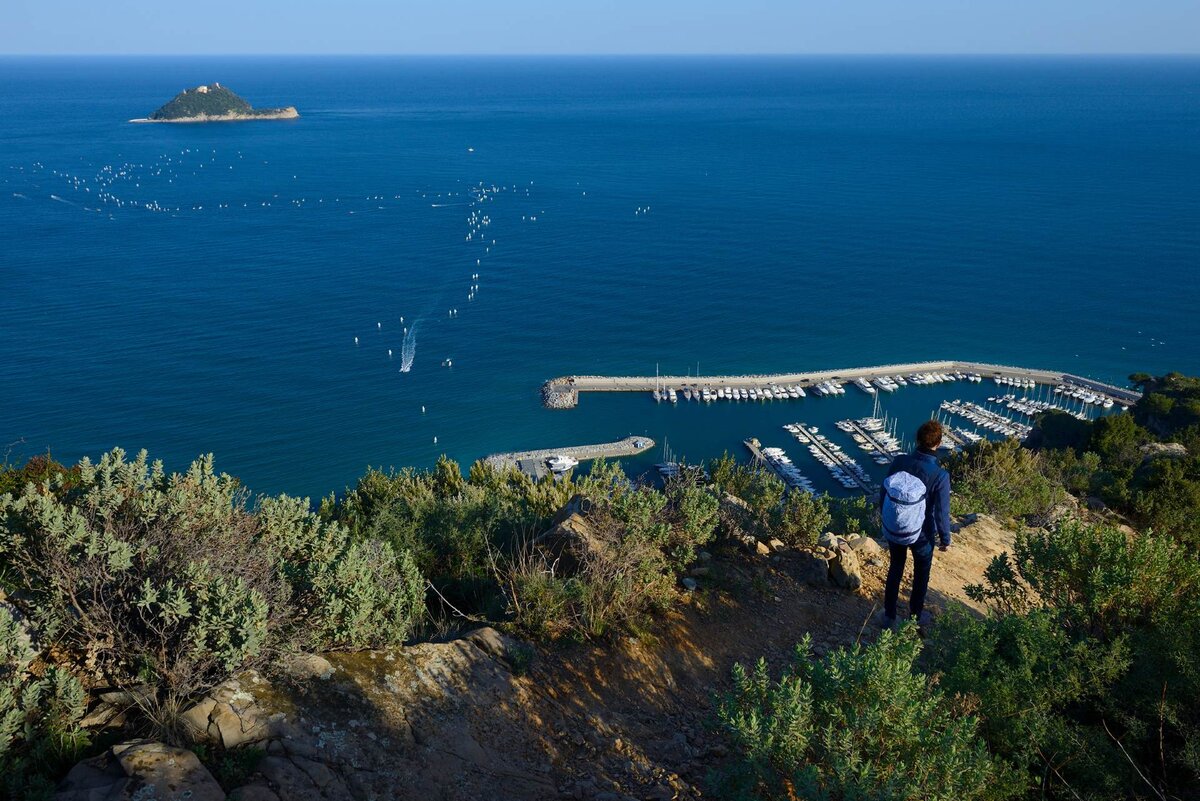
924 465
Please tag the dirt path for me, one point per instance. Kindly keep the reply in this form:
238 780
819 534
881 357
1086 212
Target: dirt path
631 719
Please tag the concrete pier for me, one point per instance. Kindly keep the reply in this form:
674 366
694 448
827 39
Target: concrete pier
533 463
563 393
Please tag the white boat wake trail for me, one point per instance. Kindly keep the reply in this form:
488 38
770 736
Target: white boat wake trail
408 348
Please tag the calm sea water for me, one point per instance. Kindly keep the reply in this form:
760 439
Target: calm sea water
719 215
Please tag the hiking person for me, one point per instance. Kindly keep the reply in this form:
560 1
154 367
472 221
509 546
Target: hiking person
915 508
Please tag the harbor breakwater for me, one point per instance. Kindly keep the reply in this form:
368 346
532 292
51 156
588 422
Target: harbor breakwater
563 392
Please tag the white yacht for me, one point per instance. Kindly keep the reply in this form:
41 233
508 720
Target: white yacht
561 463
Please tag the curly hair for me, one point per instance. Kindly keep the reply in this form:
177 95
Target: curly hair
929 435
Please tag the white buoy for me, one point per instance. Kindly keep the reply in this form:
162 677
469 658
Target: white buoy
422 410
356 340
435 440
389 353
401 319
379 325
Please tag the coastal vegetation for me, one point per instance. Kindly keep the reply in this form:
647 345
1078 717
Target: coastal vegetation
212 101
1080 682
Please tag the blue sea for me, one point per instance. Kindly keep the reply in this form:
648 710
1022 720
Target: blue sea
254 289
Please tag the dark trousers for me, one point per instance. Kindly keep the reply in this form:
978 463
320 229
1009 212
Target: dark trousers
922 552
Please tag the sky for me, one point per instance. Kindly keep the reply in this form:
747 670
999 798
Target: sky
134 27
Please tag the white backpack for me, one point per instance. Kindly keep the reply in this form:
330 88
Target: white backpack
903 510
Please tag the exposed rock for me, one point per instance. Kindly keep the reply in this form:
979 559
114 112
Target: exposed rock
104 716
866 546
307 666
829 540
776 545
811 569
256 792
1163 450
571 536
228 717
140 770
844 569
499 647
761 548
689 583
700 572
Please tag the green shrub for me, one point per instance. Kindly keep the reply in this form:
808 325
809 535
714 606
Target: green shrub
638 542
347 594
454 529
1020 672
1087 674
1001 479
39 716
858 514
692 513
803 519
173 581
860 724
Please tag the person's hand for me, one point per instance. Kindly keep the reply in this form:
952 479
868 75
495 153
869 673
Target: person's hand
943 547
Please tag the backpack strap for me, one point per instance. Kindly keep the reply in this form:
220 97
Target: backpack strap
907 503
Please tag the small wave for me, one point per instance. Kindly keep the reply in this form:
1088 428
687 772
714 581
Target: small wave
18 194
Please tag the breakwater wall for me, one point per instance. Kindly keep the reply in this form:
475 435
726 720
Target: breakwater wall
563 393
624 447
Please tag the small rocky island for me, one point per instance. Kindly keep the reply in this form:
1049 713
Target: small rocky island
215 103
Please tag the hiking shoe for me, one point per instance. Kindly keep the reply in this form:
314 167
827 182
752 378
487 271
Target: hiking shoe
886 621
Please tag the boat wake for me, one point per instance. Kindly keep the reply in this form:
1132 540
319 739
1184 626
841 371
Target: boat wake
63 200
408 348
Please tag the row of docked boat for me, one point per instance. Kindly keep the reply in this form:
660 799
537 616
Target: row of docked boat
891 383
1031 407
783 467
986 418
871 435
1087 396
845 471
708 394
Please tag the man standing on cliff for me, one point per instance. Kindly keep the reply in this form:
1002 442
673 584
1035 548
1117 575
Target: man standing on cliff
915 509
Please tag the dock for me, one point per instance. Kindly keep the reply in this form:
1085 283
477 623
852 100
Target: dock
533 463
836 457
796 481
881 448
563 392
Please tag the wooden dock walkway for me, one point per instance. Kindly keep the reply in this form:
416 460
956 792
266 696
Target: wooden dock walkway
880 448
836 458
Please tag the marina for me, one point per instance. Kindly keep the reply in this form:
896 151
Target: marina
872 436
844 469
986 418
781 465
538 464
563 393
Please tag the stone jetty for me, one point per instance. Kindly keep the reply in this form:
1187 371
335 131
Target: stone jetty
563 393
